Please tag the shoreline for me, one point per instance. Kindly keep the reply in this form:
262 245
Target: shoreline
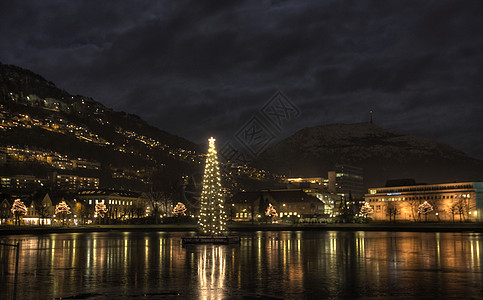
396 227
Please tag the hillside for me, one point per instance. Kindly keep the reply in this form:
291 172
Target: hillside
45 130
382 153
38 116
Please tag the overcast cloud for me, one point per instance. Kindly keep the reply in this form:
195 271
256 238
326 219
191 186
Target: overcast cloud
201 68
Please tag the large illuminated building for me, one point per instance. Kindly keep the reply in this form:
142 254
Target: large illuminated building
346 181
120 204
315 186
450 202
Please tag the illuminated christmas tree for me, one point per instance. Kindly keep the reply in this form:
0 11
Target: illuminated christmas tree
101 209
424 209
212 212
179 210
366 209
271 212
62 209
18 209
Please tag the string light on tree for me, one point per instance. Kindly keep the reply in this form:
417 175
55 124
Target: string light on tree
179 209
101 209
62 209
18 209
212 220
425 208
366 209
271 212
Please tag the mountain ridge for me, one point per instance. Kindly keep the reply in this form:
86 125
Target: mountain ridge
315 150
36 114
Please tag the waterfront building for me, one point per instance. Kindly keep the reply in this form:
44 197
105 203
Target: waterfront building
315 186
251 206
461 201
346 181
120 204
39 212
5 213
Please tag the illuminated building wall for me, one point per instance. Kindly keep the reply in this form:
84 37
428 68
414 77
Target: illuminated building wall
347 180
461 201
120 204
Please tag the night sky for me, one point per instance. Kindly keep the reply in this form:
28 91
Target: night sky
198 69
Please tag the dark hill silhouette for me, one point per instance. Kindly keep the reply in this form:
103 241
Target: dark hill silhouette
382 153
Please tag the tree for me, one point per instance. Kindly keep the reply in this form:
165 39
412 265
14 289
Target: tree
271 212
453 209
424 209
63 210
85 212
179 210
139 209
347 209
212 218
366 210
43 211
43 208
461 206
155 199
392 211
437 203
100 210
414 205
18 209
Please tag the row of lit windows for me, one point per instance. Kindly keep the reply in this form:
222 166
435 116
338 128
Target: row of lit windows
423 188
422 198
243 215
287 214
115 202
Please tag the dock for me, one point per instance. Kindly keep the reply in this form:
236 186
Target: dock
211 239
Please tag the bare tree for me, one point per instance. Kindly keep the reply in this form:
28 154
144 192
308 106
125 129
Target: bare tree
454 210
84 212
139 209
436 204
155 199
424 209
414 205
43 211
392 211
462 207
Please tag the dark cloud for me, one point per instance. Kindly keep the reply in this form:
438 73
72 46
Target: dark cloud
196 68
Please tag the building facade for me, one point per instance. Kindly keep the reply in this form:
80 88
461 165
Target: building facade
346 181
451 202
70 182
120 204
316 186
251 206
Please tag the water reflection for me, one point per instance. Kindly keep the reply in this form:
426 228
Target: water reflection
211 271
288 265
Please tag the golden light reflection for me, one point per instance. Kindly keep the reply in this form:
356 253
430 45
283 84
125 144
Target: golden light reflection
211 272
266 263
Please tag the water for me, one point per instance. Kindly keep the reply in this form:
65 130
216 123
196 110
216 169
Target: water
266 265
